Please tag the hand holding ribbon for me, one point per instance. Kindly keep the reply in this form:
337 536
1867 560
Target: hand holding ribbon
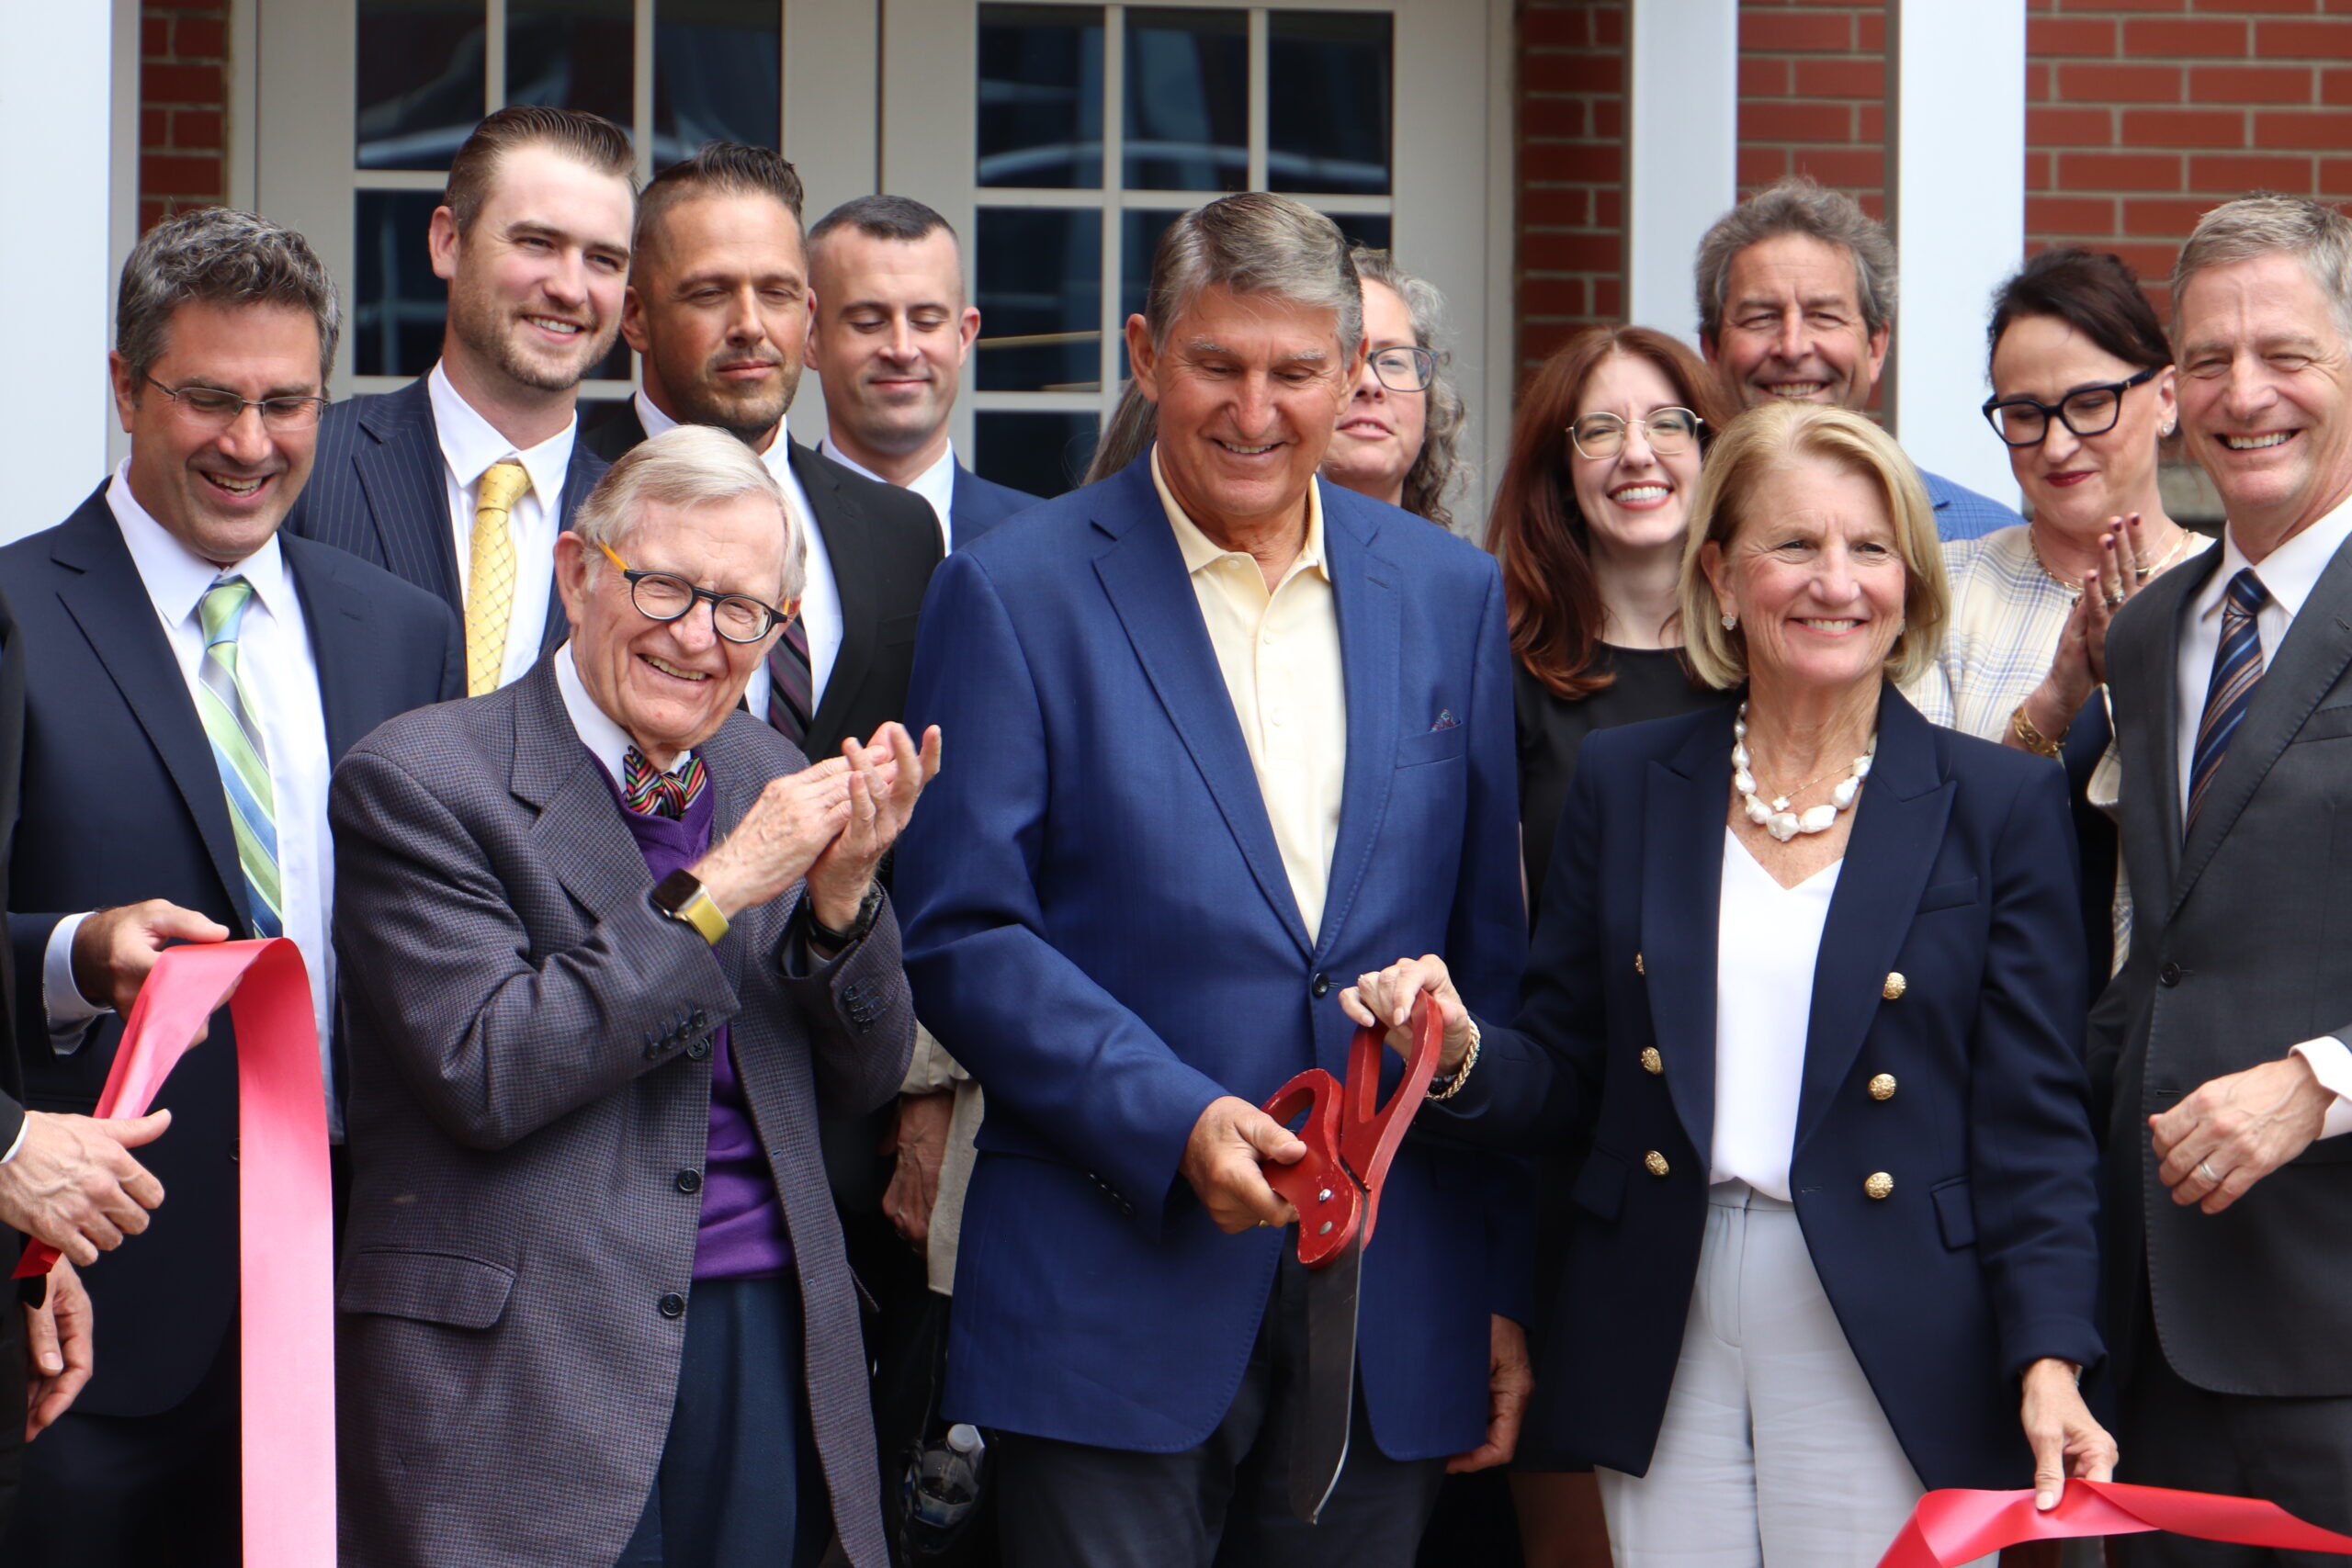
1953 1526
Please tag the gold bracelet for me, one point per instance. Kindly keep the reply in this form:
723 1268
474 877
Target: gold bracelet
2033 740
1460 1074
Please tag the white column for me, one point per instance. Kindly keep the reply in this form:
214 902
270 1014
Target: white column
1956 201
1683 138
57 118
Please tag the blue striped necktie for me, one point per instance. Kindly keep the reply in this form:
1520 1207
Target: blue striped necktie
2237 671
237 749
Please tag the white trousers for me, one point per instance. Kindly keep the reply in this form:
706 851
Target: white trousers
1774 1451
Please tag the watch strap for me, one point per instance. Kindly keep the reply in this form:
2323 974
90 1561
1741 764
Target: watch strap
681 895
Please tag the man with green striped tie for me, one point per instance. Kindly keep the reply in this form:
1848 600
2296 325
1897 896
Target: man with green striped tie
190 678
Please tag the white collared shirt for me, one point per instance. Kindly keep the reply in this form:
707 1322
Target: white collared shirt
469 446
935 484
821 598
606 739
1768 947
280 676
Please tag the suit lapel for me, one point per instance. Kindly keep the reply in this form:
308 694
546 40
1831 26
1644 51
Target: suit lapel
738 775
578 479
1143 574
849 548
103 592
1365 586
403 477
2151 746
580 829
1898 829
335 615
1682 870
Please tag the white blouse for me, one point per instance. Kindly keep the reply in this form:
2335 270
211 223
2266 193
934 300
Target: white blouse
1767 938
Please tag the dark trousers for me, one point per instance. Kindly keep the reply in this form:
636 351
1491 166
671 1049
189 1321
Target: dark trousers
1226 1503
134 1491
14 1370
739 1485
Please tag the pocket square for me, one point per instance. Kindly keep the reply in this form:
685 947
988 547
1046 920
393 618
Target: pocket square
1446 721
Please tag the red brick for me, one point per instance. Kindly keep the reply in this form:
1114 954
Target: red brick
2151 261
2069 215
2119 171
1550 296
2303 7
1782 121
1550 72
1586 73
1609 27
2243 172
163 174
2250 83
2036 82
1593 162
1869 32
2163 218
1553 28
2336 86
1760 166
154 36
2119 83
154 127
2069 128
2209 37
1571 252
2324 131
1609 207
2303 40
1608 118
2037 171
2200 128
1763 77
2127 5
1869 123
1794 31
1872 203
1859 78
1538 341
1552 116
2335 176
1849 169
1609 298
160 84
198 130
1556 207
151 213
200 38
2070 35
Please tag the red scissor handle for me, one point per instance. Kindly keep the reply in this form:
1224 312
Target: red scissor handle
1351 1136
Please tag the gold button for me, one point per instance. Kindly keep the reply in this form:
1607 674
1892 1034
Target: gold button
1883 1087
1652 1063
1637 965
1655 1163
1877 1184
1895 984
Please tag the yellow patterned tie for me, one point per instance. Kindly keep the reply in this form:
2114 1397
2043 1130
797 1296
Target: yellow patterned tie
490 603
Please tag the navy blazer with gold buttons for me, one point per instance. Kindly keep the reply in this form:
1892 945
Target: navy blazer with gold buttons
1951 1213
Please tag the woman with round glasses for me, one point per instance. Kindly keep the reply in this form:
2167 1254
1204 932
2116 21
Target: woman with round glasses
1399 436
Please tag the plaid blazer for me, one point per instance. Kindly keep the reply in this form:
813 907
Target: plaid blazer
530 1054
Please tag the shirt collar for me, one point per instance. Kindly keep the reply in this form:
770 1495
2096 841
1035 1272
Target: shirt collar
469 443
779 456
1199 549
2288 573
935 484
606 739
176 577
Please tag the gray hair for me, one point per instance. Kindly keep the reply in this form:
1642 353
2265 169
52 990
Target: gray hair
223 257
1798 205
1128 434
1441 463
2269 224
1255 243
686 465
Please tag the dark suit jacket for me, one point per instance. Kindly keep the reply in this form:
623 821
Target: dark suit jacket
1960 876
977 505
530 1045
123 802
12 1322
380 488
2237 953
1100 928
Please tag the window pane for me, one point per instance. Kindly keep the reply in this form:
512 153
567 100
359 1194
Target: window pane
717 68
1040 274
420 87
1365 228
1188 99
575 54
1041 97
1043 454
1139 232
1329 77
398 306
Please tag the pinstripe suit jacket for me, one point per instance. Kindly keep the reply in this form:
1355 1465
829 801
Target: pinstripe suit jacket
530 1054
380 488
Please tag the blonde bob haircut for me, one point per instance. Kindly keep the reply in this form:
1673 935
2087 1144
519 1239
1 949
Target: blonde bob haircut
1781 434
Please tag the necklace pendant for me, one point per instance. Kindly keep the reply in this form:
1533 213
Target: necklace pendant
1781 803
1781 826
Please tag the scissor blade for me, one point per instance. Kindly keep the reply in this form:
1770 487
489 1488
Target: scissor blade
1320 1445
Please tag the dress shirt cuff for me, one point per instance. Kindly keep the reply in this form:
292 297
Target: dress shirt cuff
2331 1063
69 1011
17 1141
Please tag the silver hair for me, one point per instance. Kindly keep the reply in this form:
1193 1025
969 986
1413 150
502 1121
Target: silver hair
1255 242
1799 205
1441 463
220 257
684 467
2267 224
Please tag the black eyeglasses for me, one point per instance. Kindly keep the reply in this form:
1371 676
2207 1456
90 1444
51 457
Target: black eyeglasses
220 409
664 596
1404 369
2085 410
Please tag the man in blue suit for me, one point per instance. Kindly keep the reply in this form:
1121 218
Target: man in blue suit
892 329
460 480
1229 734
191 675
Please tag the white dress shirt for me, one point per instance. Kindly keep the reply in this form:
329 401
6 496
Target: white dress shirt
280 676
606 739
1768 939
2288 574
820 599
469 446
935 484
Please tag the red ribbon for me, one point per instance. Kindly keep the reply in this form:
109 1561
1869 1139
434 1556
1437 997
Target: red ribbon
1953 1526
286 1220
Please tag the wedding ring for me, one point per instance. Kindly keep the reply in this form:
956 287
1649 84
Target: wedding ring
2113 600
2206 1171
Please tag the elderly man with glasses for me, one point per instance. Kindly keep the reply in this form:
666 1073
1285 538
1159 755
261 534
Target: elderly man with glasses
611 944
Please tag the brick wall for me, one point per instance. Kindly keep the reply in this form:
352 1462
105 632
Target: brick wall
1571 231
1813 96
183 106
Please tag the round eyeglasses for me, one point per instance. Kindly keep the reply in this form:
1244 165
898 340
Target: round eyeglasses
2086 411
219 409
1669 431
664 596
1404 368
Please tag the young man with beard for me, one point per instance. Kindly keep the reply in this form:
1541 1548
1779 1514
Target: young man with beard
460 480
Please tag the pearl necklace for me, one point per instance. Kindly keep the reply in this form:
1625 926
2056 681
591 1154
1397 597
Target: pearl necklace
1777 819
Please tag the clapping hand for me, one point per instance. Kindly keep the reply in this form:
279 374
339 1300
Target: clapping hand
886 776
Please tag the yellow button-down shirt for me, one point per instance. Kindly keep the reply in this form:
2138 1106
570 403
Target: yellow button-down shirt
1280 656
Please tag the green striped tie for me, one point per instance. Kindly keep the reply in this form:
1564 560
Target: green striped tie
237 749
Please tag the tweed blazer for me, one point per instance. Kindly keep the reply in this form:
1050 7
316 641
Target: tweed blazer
530 1051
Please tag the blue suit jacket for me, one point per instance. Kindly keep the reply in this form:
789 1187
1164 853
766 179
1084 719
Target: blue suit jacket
1100 928
1959 876
122 801
977 505
380 488
1961 514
